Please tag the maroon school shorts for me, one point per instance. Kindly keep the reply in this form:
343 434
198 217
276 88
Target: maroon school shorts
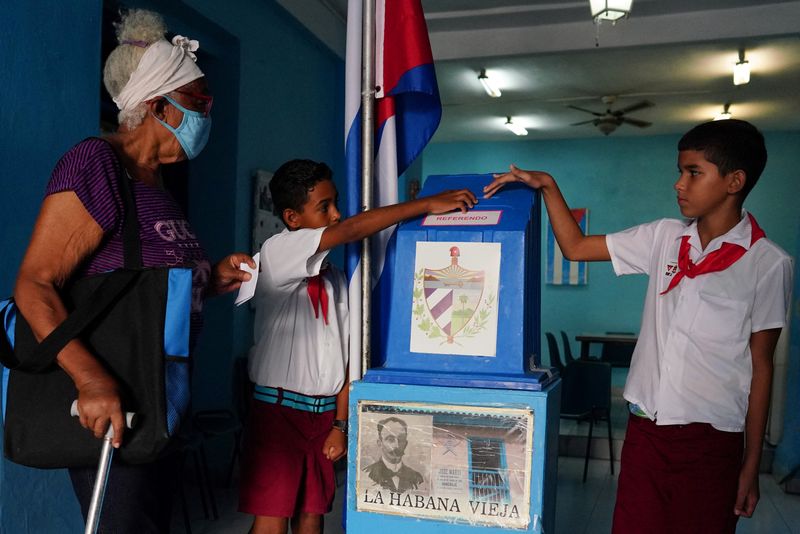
677 479
284 471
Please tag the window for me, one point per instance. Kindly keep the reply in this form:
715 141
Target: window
488 471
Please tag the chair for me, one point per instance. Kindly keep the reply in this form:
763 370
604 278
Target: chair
586 395
220 422
555 357
191 444
617 354
568 357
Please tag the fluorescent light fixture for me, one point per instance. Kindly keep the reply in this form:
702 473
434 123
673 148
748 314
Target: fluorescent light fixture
612 10
488 86
741 71
725 115
516 128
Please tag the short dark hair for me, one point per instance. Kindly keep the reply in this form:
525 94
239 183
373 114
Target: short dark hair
730 145
382 423
293 180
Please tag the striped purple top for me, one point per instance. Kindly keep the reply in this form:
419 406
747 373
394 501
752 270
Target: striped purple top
92 170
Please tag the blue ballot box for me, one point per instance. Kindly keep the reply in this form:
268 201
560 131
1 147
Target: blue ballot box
465 292
456 428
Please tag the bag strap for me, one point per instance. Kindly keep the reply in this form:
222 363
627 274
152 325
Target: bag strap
103 296
132 247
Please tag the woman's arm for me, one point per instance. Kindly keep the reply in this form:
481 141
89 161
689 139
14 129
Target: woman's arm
65 234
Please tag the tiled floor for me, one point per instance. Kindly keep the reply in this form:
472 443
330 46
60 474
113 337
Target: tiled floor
581 508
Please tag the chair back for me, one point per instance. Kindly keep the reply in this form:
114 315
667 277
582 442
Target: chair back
568 357
555 357
585 386
617 354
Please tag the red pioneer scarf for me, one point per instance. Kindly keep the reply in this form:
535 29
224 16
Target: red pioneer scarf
719 260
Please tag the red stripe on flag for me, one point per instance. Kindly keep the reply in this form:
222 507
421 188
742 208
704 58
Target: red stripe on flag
405 40
385 109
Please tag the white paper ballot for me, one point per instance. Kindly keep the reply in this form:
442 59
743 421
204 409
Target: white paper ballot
248 289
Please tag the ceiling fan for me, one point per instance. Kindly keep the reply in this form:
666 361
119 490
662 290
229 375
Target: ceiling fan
609 121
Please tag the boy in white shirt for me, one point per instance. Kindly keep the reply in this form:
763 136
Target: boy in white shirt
701 373
298 420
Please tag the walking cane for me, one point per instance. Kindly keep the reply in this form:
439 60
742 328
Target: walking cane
103 466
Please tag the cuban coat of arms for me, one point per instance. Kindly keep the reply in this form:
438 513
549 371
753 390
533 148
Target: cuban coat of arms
454 309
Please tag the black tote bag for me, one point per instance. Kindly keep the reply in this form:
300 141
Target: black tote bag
136 322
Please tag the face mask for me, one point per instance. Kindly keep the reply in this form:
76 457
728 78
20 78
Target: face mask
192 133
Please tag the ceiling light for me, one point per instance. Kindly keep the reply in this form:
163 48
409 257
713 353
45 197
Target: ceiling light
516 128
488 86
741 71
610 9
725 115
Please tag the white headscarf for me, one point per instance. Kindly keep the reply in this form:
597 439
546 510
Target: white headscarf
164 67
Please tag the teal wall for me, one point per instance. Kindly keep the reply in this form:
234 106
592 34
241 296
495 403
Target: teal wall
278 95
291 95
50 95
623 181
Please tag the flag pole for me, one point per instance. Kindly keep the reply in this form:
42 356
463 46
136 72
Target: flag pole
367 168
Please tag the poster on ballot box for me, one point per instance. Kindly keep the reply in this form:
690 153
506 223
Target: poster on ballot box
463 464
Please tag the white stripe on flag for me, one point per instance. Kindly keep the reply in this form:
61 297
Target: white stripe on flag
352 105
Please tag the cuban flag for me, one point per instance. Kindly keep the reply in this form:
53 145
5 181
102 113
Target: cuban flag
561 271
407 111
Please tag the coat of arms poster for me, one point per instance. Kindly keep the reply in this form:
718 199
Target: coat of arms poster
454 308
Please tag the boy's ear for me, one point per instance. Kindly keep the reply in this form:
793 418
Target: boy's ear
738 179
291 218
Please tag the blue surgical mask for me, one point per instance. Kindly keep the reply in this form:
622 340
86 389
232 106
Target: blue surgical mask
192 133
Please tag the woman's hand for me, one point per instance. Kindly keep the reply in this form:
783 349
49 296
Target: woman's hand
99 403
227 276
446 201
335 445
533 179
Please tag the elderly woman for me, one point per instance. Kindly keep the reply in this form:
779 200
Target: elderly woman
164 117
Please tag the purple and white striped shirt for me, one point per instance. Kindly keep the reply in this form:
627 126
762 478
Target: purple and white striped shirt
92 170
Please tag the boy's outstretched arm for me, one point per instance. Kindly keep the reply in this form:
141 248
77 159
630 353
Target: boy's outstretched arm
762 348
369 222
574 245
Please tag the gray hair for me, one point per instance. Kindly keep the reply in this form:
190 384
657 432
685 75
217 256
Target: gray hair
137 29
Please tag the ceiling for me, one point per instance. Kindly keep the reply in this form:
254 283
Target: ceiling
548 54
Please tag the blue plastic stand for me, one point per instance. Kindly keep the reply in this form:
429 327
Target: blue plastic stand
449 513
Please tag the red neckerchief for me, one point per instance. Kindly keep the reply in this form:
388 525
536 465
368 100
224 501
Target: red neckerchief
719 260
318 295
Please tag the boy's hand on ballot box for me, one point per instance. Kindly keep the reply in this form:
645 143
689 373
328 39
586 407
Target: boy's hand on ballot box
451 200
533 179
335 445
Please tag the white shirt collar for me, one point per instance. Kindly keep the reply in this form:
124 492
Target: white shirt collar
741 235
394 468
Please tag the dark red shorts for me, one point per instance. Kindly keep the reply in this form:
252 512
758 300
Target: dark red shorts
677 478
284 471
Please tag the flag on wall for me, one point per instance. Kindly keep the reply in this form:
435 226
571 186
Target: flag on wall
561 271
407 113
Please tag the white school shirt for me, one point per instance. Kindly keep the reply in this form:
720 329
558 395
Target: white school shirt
692 361
293 349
